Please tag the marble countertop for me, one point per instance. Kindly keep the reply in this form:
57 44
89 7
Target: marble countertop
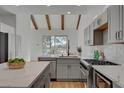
21 77
114 73
61 57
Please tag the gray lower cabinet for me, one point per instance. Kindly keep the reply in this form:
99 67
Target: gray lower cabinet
53 69
68 69
52 65
62 71
43 80
73 71
115 85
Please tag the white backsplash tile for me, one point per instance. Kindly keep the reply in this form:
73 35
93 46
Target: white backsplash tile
113 52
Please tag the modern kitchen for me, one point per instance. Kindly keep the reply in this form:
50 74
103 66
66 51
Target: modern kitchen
61 46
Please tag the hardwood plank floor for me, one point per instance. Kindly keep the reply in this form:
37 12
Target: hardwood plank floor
59 84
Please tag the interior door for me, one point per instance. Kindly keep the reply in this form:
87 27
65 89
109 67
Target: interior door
3 47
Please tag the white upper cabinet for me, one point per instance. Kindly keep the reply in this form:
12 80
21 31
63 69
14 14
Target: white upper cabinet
108 24
100 20
89 35
115 24
86 35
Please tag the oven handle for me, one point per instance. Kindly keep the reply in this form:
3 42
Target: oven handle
102 78
84 73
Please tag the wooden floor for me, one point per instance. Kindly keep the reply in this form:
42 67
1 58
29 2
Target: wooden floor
56 84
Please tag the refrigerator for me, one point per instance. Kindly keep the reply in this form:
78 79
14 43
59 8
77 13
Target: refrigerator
3 47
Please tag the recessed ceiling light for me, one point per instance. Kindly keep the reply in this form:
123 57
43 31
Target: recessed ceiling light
17 5
78 5
68 12
48 5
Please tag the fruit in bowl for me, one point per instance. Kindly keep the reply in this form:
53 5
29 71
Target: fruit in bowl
16 63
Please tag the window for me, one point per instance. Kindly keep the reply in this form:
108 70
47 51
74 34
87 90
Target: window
55 45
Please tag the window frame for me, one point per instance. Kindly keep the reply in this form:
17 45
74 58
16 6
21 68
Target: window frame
44 36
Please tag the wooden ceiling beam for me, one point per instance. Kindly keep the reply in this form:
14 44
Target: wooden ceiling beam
34 22
62 22
48 22
78 22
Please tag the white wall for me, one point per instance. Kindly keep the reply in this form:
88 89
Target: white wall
8 19
23 29
31 40
37 41
113 52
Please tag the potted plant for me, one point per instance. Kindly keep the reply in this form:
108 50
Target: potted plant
79 50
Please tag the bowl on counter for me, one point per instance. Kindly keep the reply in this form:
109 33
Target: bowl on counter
16 63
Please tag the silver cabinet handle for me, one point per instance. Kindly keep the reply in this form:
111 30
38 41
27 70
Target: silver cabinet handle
69 66
120 35
116 35
88 42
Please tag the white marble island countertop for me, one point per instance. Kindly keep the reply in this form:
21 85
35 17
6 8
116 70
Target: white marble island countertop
114 73
21 77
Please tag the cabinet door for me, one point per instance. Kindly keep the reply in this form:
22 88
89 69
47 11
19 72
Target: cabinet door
101 20
86 36
113 23
53 69
74 71
115 85
105 17
62 71
122 23
91 34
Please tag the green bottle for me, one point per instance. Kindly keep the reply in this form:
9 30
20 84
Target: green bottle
96 54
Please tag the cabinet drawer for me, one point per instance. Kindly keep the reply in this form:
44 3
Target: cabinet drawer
68 61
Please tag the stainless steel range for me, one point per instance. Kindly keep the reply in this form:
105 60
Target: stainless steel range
87 70
98 62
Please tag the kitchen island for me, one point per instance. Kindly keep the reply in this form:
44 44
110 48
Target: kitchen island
34 74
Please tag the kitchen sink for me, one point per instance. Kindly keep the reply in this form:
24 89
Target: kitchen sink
68 56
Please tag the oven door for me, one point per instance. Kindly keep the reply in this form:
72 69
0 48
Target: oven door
101 81
83 73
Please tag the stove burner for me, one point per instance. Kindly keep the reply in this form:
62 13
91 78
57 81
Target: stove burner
98 62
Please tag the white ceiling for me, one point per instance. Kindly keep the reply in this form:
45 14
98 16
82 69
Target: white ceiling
54 12
54 9
70 21
3 12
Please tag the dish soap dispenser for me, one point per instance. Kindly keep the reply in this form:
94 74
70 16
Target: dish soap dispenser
101 57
